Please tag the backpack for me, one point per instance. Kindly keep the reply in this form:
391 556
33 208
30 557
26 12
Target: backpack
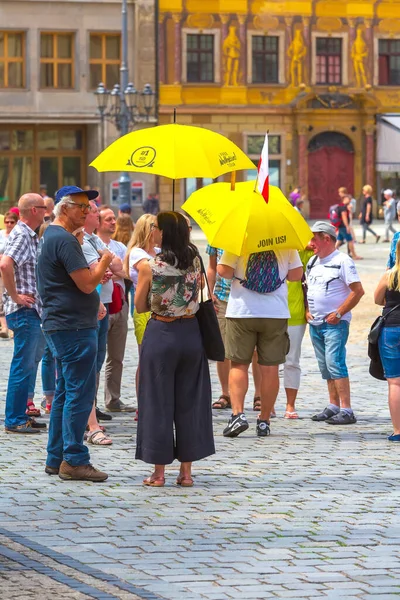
334 216
262 273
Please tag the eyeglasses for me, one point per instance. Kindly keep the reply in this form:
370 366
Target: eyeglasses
153 226
39 206
83 207
9 222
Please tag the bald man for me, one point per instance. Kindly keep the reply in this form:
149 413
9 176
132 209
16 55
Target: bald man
22 309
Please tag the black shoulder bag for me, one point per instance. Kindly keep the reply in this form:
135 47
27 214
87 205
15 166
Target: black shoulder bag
376 367
208 323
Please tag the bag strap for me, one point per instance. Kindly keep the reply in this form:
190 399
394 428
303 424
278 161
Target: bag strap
384 317
203 272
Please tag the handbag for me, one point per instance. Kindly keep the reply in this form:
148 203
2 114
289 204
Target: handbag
117 300
376 367
208 323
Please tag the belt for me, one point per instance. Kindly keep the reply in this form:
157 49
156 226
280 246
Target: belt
170 319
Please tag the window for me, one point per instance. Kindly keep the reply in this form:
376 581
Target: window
389 62
329 60
254 147
105 59
200 58
265 59
57 60
12 53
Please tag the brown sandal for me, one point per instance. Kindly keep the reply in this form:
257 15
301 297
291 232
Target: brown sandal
257 403
222 402
154 481
184 481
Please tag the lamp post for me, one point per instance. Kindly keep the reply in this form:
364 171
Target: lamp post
124 106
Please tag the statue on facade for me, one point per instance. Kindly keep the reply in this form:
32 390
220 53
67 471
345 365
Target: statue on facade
296 52
231 53
358 53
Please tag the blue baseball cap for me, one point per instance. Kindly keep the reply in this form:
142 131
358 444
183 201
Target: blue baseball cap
125 208
71 190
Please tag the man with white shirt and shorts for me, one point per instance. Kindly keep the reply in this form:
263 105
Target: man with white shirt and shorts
257 317
334 289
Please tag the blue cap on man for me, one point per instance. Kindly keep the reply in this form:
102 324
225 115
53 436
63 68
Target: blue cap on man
125 208
71 190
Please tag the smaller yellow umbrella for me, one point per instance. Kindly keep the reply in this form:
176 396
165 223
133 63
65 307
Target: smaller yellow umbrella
241 222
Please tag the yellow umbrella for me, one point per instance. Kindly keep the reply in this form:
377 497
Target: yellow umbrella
241 222
175 151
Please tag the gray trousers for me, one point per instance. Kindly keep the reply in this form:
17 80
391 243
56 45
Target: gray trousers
175 417
116 342
389 227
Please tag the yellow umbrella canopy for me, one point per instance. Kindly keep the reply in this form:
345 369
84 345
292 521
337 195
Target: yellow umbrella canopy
241 222
175 151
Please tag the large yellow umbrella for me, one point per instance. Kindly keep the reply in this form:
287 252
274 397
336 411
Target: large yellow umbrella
175 151
241 222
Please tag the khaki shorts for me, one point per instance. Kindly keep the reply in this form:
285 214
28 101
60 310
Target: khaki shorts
221 307
268 336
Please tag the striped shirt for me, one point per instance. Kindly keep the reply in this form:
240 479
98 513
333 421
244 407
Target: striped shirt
222 287
22 246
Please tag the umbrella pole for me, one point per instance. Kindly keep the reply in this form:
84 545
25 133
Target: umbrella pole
173 194
233 181
174 115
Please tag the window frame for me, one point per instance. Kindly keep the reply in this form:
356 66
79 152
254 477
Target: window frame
6 60
55 61
264 53
104 61
281 57
278 157
344 59
326 56
217 55
377 61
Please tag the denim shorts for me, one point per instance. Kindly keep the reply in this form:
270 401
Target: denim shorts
329 343
389 350
343 236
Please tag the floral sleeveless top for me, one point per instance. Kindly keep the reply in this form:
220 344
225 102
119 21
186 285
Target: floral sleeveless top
174 293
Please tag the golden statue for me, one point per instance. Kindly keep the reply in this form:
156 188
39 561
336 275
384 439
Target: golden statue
358 53
231 54
296 52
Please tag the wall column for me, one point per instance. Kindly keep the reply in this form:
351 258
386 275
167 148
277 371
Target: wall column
352 37
224 32
243 51
178 48
307 59
161 49
369 40
302 159
288 41
369 154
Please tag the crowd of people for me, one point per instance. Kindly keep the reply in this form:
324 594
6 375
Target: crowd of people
69 269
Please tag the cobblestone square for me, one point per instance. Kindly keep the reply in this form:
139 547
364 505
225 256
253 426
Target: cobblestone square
310 512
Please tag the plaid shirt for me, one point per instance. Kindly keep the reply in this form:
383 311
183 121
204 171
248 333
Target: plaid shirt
22 246
222 287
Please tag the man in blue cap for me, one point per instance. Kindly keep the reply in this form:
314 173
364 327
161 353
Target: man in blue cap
67 288
125 209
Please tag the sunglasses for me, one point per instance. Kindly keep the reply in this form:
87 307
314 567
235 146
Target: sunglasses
83 207
9 222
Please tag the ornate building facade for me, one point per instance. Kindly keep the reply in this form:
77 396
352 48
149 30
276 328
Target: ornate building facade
319 75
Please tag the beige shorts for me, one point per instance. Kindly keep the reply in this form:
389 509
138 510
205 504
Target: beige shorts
221 307
268 336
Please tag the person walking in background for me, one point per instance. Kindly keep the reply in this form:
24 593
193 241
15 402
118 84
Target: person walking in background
67 288
366 216
387 294
333 290
344 228
118 318
23 308
221 290
351 207
389 213
174 383
257 317
10 220
295 196
151 205
123 229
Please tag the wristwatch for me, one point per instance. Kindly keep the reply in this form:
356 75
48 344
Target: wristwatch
338 315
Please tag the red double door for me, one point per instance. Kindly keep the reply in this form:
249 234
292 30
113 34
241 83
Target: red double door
329 168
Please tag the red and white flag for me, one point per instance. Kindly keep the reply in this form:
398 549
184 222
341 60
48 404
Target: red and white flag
263 172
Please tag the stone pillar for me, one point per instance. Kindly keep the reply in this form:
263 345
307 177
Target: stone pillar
288 41
224 32
178 48
243 49
308 56
352 37
369 154
369 40
161 49
302 158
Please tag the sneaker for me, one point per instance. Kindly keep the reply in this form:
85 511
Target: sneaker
120 407
326 414
43 403
237 424
262 428
101 416
378 237
36 425
80 473
25 428
342 418
395 437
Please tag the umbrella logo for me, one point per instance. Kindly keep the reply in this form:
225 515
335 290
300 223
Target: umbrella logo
142 157
227 159
206 215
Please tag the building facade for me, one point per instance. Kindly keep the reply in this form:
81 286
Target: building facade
53 55
318 75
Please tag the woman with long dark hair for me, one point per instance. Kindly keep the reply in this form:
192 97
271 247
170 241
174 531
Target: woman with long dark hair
175 419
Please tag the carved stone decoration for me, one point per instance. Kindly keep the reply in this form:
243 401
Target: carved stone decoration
359 54
296 53
329 24
231 55
200 21
265 22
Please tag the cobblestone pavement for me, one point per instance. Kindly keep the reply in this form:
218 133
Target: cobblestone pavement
311 512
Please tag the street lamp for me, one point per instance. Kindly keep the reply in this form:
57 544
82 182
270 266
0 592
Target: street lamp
124 106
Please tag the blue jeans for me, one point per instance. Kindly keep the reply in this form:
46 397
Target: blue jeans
38 357
28 338
48 372
389 350
329 343
75 352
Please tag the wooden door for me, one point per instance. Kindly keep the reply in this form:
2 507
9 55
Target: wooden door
329 168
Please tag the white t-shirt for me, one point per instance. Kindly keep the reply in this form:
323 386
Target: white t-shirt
136 255
246 304
119 249
328 281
